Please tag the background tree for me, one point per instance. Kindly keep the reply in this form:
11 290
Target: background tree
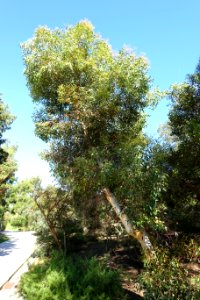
90 109
5 122
22 212
7 163
184 159
59 217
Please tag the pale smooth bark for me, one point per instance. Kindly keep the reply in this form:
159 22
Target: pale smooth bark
139 235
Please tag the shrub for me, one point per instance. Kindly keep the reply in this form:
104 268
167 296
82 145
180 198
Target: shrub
71 279
19 221
165 279
187 248
73 237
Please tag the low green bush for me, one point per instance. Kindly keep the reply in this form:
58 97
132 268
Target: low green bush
70 278
165 279
19 222
187 248
46 243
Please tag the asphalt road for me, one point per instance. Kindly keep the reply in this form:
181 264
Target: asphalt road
14 253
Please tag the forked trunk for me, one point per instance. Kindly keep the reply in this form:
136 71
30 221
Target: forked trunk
51 227
139 235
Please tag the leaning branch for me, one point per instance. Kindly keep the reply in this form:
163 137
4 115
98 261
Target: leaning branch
139 235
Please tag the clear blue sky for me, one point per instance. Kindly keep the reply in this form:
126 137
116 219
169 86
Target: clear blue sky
167 32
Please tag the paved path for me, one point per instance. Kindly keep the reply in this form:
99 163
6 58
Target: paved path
10 289
14 253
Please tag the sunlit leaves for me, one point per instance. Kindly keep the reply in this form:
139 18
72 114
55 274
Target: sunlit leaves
91 103
7 163
184 122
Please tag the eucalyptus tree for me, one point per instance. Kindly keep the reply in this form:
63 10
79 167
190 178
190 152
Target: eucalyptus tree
5 122
7 163
184 158
90 109
22 210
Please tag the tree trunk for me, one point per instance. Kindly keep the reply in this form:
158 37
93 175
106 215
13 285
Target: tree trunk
51 227
139 235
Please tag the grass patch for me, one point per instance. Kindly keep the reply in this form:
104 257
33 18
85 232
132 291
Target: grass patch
3 238
71 278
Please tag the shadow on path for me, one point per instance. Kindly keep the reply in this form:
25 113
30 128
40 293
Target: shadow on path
14 252
9 246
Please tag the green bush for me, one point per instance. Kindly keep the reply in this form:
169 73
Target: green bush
165 279
71 279
44 239
187 248
72 231
19 221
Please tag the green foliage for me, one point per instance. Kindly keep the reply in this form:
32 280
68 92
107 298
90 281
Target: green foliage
7 170
152 182
58 220
22 212
71 279
186 248
7 163
6 120
165 279
19 222
183 195
90 109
